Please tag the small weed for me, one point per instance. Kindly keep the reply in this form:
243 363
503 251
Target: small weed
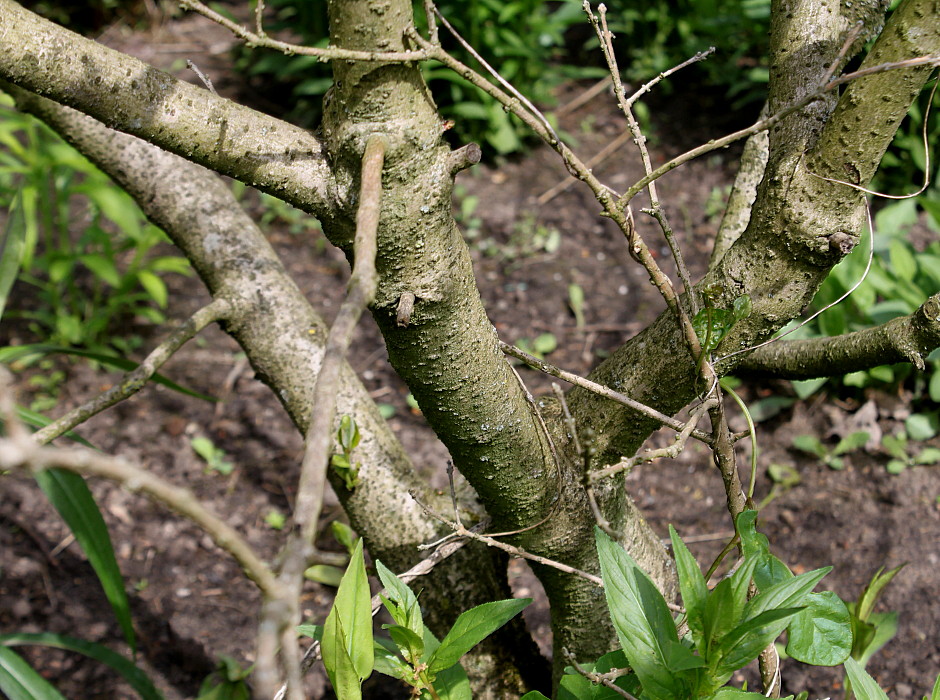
902 454
542 345
275 519
832 458
348 437
214 456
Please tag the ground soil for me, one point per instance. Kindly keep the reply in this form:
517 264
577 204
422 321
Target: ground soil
192 605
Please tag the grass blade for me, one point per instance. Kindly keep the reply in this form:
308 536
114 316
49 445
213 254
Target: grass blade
70 495
19 681
134 676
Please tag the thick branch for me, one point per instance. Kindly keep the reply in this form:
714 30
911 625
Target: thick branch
135 98
904 339
283 338
785 253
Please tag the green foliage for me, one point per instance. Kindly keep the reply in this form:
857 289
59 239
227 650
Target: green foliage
136 678
712 324
348 438
540 346
831 457
83 278
656 36
900 280
412 654
70 496
19 681
903 455
229 681
727 629
521 38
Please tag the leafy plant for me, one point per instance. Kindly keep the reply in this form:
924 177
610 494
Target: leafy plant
412 654
899 447
727 629
85 279
229 681
831 457
348 437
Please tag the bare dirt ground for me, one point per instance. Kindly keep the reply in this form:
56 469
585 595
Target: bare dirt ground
192 605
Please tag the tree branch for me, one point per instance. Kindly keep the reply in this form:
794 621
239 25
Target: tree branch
904 339
130 96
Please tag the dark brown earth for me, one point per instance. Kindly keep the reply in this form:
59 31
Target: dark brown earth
191 604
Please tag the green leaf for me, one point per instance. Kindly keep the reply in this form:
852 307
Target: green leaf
19 681
805 388
769 570
642 620
402 595
312 631
135 677
410 645
863 686
851 442
927 456
741 307
452 684
353 605
12 353
691 584
69 494
821 634
387 660
37 420
885 627
344 535
12 247
735 694
155 287
811 445
339 665
786 594
348 433
325 574
745 642
471 627
902 259
935 693
711 326
896 466
921 426
103 268
534 695
872 591
724 608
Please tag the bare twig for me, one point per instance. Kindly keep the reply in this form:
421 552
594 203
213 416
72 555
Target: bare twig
700 56
670 452
602 155
583 98
769 122
360 293
327 54
500 79
202 76
605 37
603 679
601 390
281 618
20 452
134 380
